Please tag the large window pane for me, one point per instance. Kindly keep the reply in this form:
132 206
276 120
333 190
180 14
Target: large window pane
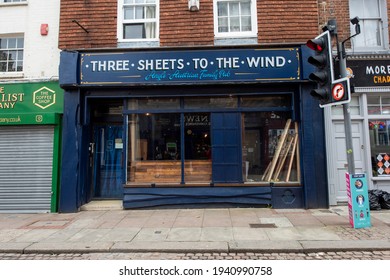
371 8
371 18
270 148
139 19
197 147
210 102
11 54
379 131
234 16
153 103
265 101
154 148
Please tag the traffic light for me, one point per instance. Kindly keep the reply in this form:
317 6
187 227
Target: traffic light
323 62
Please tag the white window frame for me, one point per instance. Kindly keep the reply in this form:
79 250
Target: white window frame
383 22
121 22
14 73
13 2
252 33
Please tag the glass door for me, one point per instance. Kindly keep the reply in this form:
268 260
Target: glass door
108 162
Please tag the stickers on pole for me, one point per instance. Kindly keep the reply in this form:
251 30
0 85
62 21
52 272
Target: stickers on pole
358 202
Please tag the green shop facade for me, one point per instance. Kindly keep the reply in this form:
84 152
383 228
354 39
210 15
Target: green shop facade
198 127
30 137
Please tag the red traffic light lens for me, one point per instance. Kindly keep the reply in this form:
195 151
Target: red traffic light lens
316 44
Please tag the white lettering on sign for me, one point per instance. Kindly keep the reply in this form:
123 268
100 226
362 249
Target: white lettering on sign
110 65
8 100
266 62
160 64
382 69
197 63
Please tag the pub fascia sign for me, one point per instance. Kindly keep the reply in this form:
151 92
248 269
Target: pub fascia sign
190 66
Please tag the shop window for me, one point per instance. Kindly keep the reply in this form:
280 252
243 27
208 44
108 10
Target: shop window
354 106
154 148
138 19
171 140
373 22
270 147
266 101
154 104
378 105
379 131
197 148
235 18
210 102
11 54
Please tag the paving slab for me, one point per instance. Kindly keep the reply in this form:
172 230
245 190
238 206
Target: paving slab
323 233
118 234
283 233
383 216
280 222
243 233
35 235
177 247
7 235
152 234
217 234
62 235
89 235
184 234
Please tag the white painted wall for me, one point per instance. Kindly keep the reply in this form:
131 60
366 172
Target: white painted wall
41 53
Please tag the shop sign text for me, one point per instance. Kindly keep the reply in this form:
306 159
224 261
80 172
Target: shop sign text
8 100
190 66
369 73
31 98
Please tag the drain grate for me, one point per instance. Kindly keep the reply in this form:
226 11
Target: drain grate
262 226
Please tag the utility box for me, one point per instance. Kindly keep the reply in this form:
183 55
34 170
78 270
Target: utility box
358 202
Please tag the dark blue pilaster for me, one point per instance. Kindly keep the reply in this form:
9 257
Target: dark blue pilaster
69 186
313 152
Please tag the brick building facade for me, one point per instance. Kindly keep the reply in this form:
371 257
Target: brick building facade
278 22
144 80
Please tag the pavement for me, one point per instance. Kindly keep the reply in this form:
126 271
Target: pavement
103 229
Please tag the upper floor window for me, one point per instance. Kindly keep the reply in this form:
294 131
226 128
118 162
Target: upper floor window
373 24
235 18
12 1
138 19
11 54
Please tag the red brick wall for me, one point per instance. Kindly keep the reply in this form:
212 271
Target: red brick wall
180 27
287 21
99 17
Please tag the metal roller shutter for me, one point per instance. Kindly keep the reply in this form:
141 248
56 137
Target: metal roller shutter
26 158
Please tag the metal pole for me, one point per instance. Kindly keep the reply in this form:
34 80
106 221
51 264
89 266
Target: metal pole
347 114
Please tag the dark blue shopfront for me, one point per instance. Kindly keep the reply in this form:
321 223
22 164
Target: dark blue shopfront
194 127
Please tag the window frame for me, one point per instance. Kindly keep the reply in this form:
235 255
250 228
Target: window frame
12 73
252 33
13 2
121 22
382 20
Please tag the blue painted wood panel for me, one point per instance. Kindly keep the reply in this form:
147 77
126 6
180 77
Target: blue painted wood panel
226 147
151 197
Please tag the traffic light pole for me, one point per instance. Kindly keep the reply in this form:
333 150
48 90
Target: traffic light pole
347 113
